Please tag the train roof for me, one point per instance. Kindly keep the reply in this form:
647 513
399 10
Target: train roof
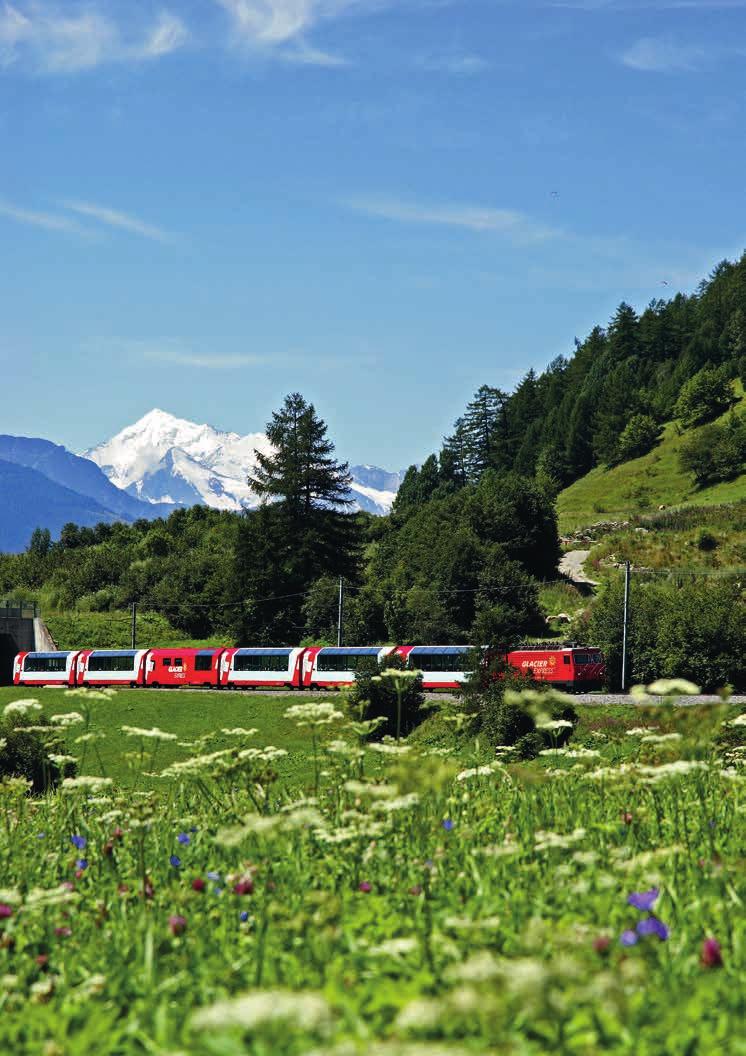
351 650
52 656
264 652
439 650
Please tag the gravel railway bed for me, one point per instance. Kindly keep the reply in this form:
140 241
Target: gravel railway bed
580 698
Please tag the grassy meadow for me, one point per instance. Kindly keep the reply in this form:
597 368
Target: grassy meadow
643 484
427 897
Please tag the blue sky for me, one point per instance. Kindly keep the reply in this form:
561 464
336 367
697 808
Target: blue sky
383 204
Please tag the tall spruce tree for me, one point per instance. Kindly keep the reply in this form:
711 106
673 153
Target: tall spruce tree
312 533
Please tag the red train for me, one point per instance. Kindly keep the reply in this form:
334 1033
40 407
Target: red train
574 668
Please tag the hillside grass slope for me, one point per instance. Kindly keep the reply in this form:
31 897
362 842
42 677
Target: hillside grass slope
644 484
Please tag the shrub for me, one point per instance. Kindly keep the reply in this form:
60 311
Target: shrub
27 753
717 452
706 395
639 436
706 540
379 695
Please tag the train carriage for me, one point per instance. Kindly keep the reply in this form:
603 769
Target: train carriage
263 667
442 666
183 667
330 667
111 667
45 669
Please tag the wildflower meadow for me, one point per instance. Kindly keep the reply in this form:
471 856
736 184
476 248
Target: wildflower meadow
320 892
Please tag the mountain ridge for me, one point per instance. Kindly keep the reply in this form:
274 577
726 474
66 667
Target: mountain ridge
163 458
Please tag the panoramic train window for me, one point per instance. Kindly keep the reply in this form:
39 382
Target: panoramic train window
111 663
439 662
203 663
346 662
260 662
38 664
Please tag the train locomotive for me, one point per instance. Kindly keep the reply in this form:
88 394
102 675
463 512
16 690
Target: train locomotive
572 668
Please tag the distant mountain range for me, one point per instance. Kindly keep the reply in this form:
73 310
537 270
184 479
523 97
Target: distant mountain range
166 459
145 471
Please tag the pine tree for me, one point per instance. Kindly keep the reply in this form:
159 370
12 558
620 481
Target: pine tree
485 432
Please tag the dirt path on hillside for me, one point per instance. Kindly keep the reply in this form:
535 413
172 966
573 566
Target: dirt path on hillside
571 565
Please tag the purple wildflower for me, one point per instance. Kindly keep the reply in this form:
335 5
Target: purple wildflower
365 886
243 916
643 900
78 842
81 863
653 926
5 911
177 924
628 938
175 861
184 839
447 824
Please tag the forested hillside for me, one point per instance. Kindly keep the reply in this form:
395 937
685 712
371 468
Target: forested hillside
607 401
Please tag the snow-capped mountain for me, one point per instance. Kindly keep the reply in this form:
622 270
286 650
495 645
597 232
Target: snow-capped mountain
164 459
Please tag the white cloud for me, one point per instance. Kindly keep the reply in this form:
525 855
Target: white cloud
661 55
515 226
113 218
45 38
48 221
280 27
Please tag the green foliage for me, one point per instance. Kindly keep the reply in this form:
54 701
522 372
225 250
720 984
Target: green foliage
716 452
383 694
25 752
694 629
640 435
703 397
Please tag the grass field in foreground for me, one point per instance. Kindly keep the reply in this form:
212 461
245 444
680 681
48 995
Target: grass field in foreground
187 714
589 903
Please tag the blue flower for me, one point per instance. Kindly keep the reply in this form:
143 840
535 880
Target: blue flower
184 839
643 900
41 835
175 861
653 926
213 876
193 828
628 938
447 824
243 916
81 863
79 842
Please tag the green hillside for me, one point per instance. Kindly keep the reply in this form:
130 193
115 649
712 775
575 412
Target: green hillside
643 484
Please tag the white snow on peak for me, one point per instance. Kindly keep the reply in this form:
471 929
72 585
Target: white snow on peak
162 458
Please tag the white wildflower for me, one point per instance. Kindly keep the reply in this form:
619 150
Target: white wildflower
473 924
383 748
88 738
419 1015
238 731
153 735
669 687
660 738
40 898
641 731
62 760
389 806
304 1010
68 718
479 771
394 948
551 840
375 791
21 707
313 714
740 720
679 768
90 784
554 724
479 968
